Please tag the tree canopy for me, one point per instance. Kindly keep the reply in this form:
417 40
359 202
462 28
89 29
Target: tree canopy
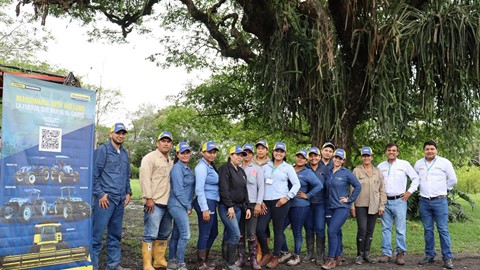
324 67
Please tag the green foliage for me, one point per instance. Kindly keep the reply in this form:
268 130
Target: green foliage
468 179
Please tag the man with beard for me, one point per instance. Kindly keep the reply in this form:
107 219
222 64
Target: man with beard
111 193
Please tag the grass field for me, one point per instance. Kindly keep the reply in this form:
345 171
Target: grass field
464 236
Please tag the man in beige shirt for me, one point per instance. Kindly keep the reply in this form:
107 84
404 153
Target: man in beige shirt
155 184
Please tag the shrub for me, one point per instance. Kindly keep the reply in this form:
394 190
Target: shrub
468 179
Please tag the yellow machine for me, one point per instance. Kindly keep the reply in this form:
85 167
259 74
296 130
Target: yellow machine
48 249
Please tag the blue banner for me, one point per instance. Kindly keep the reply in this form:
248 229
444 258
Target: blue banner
46 172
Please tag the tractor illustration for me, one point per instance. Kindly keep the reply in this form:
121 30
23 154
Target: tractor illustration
70 207
49 248
28 175
25 208
62 171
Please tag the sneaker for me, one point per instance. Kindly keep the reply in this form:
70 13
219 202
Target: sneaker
400 260
294 260
448 263
384 259
182 266
172 264
359 260
284 257
427 260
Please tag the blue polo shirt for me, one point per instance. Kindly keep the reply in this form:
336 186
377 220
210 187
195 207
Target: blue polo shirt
309 184
338 185
320 197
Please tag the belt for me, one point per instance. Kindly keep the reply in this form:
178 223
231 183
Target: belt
434 198
394 197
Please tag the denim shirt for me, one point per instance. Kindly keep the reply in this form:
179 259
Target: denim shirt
338 185
111 173
206 184
309 184
182 186
320 197
280 178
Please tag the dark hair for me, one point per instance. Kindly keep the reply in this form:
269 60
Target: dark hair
390 145
430 142
229 159
175 160
284 158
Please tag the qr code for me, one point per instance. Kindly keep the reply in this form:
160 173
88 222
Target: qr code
50 139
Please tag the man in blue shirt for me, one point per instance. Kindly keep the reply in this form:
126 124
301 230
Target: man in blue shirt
111 193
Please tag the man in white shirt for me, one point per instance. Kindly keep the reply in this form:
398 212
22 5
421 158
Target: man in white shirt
395 172
437 176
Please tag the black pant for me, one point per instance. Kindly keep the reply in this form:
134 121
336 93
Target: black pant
365 225
248 227
277 215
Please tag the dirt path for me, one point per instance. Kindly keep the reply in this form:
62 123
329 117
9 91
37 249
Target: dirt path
131 255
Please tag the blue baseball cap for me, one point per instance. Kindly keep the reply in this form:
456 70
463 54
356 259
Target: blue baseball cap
263 143
248 146
118 127
281 146
165 134
366 150
328 144
314 150
237 149
340 153
209 146
182 147
302 152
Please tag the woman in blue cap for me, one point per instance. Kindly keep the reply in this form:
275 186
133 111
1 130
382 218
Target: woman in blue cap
279 175
338 185
248 227
369 204
310 186
180 206
205 204
233 203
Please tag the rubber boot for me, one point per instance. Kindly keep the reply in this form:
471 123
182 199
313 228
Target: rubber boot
310 251
201 259
241 253
224 255
252 248
232 257
366 254
320 241
207 262
159 252
360 251
147 250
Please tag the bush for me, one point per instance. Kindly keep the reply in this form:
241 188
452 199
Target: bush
468 179
134 172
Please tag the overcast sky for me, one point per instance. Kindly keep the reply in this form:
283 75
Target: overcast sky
116 66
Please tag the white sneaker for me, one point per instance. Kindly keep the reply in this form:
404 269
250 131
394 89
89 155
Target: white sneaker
294 260
284 257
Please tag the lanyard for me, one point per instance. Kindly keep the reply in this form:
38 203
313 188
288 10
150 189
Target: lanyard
429 167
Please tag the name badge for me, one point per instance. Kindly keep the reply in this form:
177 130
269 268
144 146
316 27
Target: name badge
269 181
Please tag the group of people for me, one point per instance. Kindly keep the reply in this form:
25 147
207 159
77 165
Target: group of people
252 189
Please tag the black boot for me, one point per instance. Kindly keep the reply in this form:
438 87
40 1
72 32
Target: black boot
224 255
310 255
201 260
366 254
252 248
241 253
320 242
360 251
232 257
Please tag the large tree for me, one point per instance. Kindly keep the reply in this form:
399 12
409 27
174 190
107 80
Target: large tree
326 66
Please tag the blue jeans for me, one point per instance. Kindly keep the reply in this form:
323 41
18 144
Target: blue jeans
157 225
180 233
315 221
296 217
207 231
231 233
339 216
110 219
395 211
435 210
